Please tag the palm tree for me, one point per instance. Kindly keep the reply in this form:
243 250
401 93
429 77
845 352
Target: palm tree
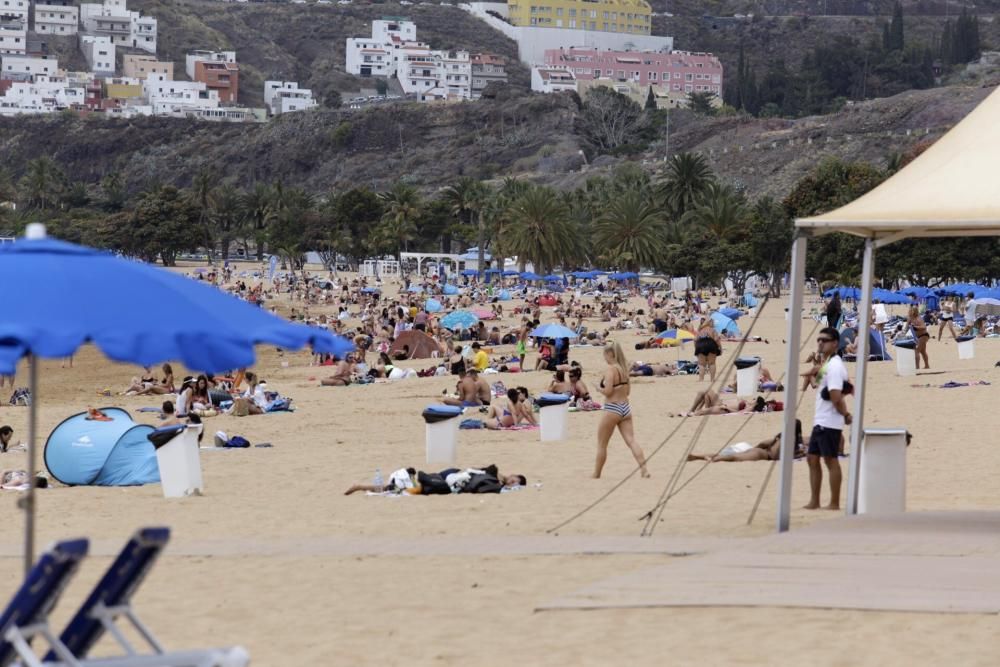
113 191
399 222
227 215
720 213
258 205
541 231
467 199
42 183
631 233
200 194
685 179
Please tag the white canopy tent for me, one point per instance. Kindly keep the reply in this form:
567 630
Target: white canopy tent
947 191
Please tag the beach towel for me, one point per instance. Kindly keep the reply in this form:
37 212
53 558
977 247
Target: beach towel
521 427
471 424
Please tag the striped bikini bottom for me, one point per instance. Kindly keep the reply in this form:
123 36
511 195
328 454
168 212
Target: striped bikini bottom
623 410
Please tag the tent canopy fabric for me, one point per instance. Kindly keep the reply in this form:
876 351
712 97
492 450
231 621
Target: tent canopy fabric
949 190
84 452
420 345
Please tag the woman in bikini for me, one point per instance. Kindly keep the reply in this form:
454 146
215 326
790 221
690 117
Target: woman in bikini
559 383
947 319
578 389
617 411
165 387
504 412
707 348
920 336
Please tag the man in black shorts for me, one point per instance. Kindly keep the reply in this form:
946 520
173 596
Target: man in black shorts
831 417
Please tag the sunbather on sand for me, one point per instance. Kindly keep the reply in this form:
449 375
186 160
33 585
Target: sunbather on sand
6 434
166 386
708 402
468 392
513 410
651 370
342 374
766 450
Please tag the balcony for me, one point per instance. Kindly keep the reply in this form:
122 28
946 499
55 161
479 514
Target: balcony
106 27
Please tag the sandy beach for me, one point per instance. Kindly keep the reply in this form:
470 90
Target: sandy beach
276 558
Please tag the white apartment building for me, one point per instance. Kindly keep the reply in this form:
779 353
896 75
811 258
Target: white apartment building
43 95
17 9
13 37
56 17
168 97
552 79
15 67
456 67
99 53
207 56
286 96
113 20
376 55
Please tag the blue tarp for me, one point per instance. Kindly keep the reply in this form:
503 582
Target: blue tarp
82 452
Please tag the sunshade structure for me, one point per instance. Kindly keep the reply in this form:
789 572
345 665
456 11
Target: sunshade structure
980 308
416 344
889 297
459 319
63 296
552 331
528 275
674 336
949 190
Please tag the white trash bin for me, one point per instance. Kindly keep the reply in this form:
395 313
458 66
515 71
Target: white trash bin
966 347
553 416
747 376
882 480
441 433
179 460
906 360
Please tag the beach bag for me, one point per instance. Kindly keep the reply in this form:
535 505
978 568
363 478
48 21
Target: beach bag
241 407
21 396
237 441
280 405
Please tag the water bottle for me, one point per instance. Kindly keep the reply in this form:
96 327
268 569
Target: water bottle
379 485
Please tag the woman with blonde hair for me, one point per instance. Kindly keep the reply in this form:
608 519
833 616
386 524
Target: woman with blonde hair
617 411
920 336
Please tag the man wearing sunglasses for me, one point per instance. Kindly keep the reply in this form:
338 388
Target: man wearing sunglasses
831 418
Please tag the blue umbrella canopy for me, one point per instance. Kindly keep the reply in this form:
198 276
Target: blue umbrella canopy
845 292
553 331
69 295
432 306
470 272
731 313
528 275
459 319
889 297
917 291
553 278
510 272
725 324
449 289
415 289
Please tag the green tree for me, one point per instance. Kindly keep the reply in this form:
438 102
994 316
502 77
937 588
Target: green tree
201 191
896 41
541 230
685 179
467 198
719 213
227 215
163 223
259 207
650 101
42 183
771 235
398 226
701 103
113 194
631 233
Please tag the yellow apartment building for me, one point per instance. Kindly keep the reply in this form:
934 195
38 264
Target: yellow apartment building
623 16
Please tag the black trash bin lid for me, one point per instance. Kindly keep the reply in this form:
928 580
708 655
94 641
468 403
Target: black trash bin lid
165 434
549 399
746 362
965 339
439 413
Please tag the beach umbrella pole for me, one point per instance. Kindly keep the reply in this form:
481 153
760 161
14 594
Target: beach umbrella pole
28 502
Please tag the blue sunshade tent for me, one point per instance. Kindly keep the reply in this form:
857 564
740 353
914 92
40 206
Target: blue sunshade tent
449 289
725 325
432 306
82 452
470 272
415 289
553 331
845 292
889 297
731 313
528 275
459 319
917 291
67 295
553 278
510 272
626 275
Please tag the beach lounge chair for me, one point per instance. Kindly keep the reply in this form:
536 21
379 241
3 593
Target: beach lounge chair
112 599
28 611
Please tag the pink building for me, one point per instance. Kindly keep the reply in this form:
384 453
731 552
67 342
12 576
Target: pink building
680 71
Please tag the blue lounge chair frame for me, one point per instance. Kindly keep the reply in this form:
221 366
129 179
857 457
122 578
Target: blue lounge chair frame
109 601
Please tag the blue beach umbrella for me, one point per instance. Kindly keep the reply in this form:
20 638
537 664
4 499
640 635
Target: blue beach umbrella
510 272
470 272
528 275
415 289
449 289
917 291
889 297
459 319
725 324
552 278
553 331
69 295
731 313
432 306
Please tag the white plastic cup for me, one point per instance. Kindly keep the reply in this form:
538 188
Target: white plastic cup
442 441
180 464
967 349
554 420
747 380
906 361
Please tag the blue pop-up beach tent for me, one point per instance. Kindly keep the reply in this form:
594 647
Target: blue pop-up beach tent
81 451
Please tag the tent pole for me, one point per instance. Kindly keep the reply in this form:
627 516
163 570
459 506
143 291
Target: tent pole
788 444
861 377
28 502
